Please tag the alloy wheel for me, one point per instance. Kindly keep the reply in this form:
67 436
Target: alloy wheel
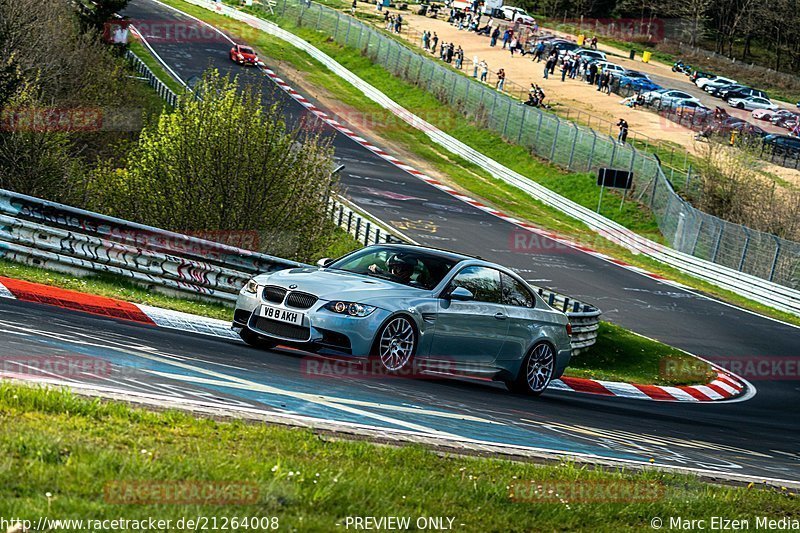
397 343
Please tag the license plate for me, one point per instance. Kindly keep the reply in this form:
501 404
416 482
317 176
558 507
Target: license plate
282 315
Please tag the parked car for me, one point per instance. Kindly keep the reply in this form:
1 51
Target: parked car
743 93
780 115
591 55
667 97
694 113
516 14
764 114
411 308
613 68
718 80
782 144
752 102
698 74
715 89
562 47
684 105
637 81
244 55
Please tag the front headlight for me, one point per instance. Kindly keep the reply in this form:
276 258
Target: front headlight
251 287
350 308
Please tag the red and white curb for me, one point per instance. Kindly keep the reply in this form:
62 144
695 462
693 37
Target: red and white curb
323 116
726 386
112 308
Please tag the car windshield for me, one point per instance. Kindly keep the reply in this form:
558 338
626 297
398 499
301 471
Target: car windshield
635 74
414 268
246 50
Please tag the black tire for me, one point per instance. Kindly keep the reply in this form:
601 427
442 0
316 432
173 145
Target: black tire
524 382
396 345
256 341
740 105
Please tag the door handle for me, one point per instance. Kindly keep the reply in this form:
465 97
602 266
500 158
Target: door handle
500 316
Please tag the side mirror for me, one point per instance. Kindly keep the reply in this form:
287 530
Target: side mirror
325 261
460 294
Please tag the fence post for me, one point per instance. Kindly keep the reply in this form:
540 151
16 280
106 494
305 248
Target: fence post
718 243
591 153
336 29
366 234
358 227
538 130
744 250
775 259
555 140
613 152
522 124
505 124
572 150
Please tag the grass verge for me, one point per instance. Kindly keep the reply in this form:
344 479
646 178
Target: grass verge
452 168
69 457
144 54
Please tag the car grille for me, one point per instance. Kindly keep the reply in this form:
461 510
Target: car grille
282 329
300 300
274 294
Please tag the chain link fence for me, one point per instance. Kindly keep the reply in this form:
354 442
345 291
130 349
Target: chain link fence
569 145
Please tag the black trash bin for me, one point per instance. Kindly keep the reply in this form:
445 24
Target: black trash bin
633 54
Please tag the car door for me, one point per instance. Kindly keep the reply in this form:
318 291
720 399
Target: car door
522 324
471 332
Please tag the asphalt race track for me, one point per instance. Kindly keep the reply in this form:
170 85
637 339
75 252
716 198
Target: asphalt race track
756 437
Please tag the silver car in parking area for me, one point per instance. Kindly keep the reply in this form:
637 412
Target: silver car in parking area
410 306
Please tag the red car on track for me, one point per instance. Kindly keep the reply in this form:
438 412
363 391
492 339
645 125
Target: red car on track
244 55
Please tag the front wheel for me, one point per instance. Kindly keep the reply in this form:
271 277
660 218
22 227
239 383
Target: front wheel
535 372
396 344
255 340
740 105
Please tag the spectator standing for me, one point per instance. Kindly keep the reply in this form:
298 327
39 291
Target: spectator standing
506 38
566 66
426 40
398 23
594 42
435 42
459 57
537 54
548 66
484 69
513 46
353 9
495 35
623 130
501 79
592 73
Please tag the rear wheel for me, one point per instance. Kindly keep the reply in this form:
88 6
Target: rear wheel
535 372
255 340
396 344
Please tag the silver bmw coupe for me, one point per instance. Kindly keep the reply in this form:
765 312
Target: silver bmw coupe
408 306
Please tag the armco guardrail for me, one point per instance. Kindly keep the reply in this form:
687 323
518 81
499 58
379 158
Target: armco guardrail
154 81
682 218
67 239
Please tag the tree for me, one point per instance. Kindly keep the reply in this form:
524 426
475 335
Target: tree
225 162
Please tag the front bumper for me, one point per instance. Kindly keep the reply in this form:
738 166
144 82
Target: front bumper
322 330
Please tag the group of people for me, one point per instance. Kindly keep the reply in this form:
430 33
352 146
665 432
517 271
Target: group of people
393 22
536 96
448 52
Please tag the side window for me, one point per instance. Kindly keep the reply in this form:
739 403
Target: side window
482 282
515 293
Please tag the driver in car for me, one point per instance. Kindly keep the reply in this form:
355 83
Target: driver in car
400 269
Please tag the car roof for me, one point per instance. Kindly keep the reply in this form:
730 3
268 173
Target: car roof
438 252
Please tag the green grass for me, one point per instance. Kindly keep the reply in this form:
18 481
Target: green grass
621 355
113 286
497 193
144 54
61 453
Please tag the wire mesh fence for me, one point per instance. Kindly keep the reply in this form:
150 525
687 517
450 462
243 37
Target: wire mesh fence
570 145
161 88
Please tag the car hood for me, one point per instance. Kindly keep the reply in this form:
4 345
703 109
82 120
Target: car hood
329 284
